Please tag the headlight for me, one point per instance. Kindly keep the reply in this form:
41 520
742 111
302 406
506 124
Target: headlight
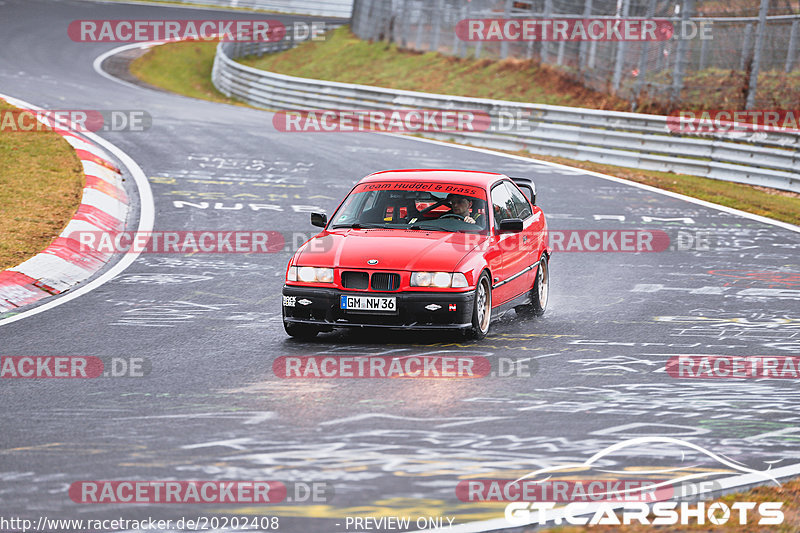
440 280
310 274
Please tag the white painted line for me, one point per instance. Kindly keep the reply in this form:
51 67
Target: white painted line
751 216
99 61
146 218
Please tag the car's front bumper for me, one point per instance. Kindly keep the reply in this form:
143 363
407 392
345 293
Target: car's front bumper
415 310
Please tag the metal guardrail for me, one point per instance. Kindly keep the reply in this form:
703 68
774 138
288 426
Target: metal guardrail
768 159
322 8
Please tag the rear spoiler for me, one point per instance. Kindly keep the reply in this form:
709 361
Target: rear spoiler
528 188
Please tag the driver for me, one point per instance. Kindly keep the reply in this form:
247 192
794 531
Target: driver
461 206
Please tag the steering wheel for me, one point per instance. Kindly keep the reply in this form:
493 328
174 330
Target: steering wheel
432 207
452 215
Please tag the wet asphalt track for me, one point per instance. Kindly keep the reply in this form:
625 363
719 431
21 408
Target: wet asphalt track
210 327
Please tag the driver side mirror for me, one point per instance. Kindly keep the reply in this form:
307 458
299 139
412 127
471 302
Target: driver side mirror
319 219
511 225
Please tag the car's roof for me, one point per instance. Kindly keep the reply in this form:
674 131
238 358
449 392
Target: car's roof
475 178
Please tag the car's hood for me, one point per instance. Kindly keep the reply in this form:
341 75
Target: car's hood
393 249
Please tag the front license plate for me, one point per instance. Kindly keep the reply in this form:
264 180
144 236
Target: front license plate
369 303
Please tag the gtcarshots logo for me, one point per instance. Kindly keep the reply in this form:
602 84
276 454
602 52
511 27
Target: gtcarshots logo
657 514
124 31
80 120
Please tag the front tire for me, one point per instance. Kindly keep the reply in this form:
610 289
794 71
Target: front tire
482 308
301 331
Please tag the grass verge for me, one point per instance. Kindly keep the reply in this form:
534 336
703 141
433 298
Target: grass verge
41 183
183 68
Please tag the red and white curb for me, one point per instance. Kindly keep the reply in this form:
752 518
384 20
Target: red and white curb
62 265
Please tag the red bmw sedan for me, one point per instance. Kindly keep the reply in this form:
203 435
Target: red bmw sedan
422 249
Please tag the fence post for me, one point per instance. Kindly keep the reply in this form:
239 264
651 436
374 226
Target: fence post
437 25
587 13
640 78
792 46
418 45
504 43
748 37
620 50
548 14
467 12
703 54
681 53
456 41
402 38
760 31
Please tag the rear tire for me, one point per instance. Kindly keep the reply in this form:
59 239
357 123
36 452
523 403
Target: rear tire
482 308
540 292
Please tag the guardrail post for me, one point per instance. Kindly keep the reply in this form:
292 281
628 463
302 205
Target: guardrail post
748 37
682 53
792 47
760 31
618 63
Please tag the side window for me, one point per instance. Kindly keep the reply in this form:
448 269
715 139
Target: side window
502 204
520 202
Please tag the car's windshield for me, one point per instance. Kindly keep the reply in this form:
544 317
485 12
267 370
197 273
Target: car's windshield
414 205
